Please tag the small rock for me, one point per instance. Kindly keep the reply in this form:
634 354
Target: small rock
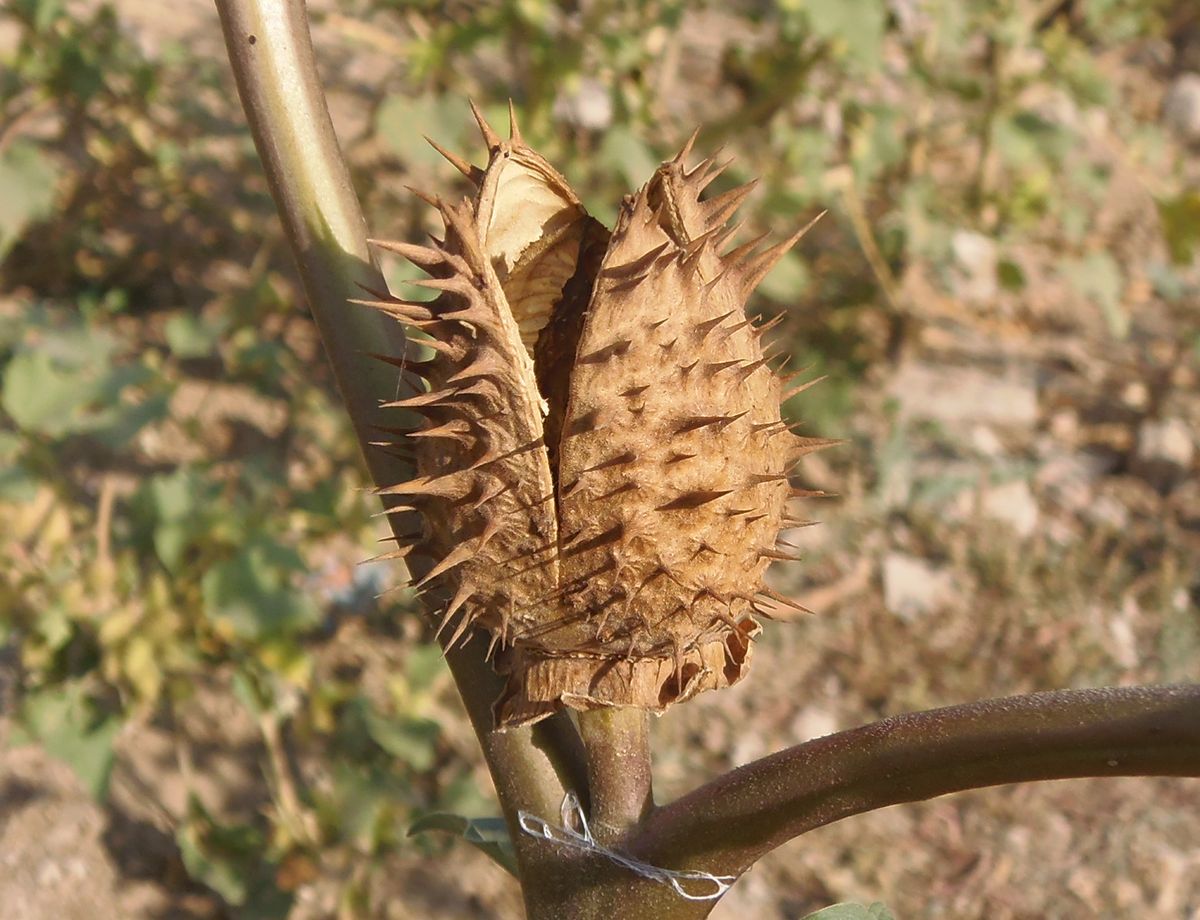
1106 511
1136 395
1064 425
748 747
1181 107
49 873
1013 504
1165 449
589 106
1122 639
985 442
813 721
912 587
1169 440
976 259
1069 479
958 395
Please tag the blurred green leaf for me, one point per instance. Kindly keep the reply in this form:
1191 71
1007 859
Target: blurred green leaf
489 835
627 154
229 858
181 501
1098 277
16 483
252 594
404 120
853 27
848 911
424 665
363 806
412 740
1010 275
28 178
1181 225
787 280
192 336
44 397
70 726
64 382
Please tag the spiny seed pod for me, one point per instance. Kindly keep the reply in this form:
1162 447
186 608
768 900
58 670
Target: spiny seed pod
601 466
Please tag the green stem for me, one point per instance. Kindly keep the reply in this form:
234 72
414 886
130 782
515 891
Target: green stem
271 52
618 763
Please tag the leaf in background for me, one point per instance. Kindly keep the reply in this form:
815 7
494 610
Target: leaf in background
228 858
412 740
854 28
181 500
69 725
27 190
489 835
1181 225
16 484
423 665
64 381
624 152
251 594
787 280
876 911
876 142
398 116
192 336
44 397
1097 276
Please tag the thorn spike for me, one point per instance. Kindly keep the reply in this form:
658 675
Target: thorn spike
735 256
757 267
514 130
431 200
490 137
468 169
686 150
720 209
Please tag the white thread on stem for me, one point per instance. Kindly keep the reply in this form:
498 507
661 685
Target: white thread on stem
567 836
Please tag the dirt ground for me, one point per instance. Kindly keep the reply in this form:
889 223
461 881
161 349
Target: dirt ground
1016 509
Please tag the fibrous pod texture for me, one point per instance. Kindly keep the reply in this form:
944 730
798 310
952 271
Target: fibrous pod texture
602 470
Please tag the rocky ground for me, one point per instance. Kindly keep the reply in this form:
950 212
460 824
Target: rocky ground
1016 509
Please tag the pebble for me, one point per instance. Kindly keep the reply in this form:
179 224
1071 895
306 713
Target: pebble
913 587
589 106
1165 450
1070 479
976 259
966 395
1013 504
1181 107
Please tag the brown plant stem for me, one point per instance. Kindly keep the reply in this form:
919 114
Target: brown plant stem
270 50
726 825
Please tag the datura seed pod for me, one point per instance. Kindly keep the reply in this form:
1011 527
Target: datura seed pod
601 465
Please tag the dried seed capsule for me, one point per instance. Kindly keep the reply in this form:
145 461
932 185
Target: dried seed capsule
603 469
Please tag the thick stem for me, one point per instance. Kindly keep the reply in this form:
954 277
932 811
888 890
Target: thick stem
618 763
271 52
724 826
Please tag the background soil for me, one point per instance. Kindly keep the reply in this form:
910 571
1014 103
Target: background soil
1015 508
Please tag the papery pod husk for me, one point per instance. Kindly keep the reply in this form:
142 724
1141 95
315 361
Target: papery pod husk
603 470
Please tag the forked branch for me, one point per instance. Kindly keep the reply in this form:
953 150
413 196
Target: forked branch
726 825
